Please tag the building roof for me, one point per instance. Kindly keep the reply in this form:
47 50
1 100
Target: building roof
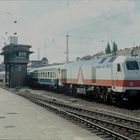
16 45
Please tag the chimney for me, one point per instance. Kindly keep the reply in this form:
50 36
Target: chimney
13 39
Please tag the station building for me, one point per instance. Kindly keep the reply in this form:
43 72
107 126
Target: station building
38 63
16 58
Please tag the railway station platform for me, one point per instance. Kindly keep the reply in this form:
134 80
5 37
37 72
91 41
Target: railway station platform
21 119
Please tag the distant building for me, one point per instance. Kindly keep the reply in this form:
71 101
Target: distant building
125 52
88 57
134 51
38 63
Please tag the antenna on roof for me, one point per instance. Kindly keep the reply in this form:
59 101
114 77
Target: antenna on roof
38 53
67 48
45 48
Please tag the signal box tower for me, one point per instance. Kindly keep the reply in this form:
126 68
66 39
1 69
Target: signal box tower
16 57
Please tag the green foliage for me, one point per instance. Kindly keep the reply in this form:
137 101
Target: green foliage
114 48
108 50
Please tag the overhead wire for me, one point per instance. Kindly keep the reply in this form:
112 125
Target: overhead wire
106 19
109 18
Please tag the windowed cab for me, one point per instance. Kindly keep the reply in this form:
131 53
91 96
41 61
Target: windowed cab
126 74
126 79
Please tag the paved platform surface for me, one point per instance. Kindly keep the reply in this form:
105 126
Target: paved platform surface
21 119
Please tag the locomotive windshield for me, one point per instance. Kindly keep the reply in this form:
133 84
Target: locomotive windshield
132 65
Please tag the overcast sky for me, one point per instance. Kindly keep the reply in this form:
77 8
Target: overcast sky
44 24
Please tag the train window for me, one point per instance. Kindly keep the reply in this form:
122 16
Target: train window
48 74
118 67
51 74
132 65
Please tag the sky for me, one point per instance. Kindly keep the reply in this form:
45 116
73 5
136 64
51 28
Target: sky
90 24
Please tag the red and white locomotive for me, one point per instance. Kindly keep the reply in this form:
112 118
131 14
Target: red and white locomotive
108 78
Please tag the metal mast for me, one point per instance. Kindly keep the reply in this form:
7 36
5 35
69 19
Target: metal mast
67 48
38 53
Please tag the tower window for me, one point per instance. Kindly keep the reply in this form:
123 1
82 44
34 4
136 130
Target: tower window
21 54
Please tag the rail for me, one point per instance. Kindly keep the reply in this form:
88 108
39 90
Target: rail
88 121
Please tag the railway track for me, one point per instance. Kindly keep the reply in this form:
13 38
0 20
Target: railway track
105 125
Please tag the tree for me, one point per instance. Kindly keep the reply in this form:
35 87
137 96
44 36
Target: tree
115 48
108 50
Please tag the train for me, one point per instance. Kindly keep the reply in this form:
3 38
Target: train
110 79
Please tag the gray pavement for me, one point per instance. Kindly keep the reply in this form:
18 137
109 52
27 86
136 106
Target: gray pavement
21 119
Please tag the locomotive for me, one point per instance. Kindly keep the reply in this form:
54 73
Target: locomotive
107 79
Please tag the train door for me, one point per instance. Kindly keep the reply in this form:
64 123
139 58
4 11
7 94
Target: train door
64 74
94 74
116 74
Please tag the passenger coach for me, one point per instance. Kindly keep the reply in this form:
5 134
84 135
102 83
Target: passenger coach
44 76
